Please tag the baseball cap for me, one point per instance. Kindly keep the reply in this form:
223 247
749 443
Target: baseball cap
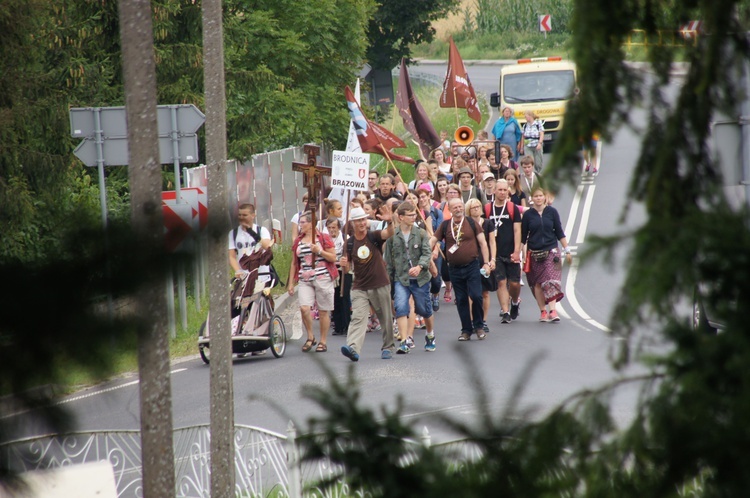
487 176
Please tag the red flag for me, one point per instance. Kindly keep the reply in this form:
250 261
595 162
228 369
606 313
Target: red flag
457 89
372 137
415 118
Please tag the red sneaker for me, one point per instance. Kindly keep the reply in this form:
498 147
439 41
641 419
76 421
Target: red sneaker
553 316
543 317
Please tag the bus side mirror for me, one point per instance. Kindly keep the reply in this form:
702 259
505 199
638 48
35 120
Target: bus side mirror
495 100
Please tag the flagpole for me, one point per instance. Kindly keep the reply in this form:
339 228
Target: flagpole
344 236
455 107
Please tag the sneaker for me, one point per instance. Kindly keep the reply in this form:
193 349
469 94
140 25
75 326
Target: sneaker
349 353
410 343
543 317
514 308
386 354
553 317
435 303
419 323
505 317
429 343
588 166
464 337
402 349
595 171
485 328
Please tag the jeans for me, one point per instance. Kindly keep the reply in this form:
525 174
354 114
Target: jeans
342 306
422 301
467 284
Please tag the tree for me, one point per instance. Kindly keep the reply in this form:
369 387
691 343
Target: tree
397 24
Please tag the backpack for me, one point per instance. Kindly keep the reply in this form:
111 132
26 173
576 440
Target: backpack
473 226
350 244
511 209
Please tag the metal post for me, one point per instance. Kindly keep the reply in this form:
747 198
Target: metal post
103 199
292 462
170 305
182 294
745 128
175 152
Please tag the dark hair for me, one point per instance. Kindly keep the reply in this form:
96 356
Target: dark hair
405 207
374 203
332 220
247 205
330 203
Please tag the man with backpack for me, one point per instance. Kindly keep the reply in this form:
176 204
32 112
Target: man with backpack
505 245
243 240
464 243
371 286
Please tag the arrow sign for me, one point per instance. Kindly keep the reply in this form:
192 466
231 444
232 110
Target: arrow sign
114 122
194 197
115 150
545 23
177 220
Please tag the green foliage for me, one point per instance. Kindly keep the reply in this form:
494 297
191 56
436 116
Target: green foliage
520 16
399 24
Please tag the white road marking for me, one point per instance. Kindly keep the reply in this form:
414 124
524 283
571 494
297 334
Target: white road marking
573 212
585 215
573 300
88 395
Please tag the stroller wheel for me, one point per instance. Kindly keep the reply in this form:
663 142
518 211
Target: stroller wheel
277 334
204 349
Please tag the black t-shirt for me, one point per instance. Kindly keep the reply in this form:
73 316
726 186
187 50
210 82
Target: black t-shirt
503 226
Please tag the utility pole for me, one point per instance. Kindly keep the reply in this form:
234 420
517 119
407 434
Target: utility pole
221 383
139 72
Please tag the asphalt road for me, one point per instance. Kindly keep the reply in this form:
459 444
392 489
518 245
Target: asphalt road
566 357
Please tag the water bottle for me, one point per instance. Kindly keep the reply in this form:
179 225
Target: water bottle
484 272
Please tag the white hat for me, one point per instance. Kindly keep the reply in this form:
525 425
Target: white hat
357 214
487 176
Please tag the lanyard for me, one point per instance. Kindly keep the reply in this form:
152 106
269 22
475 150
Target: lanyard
499 218
527 181
453 233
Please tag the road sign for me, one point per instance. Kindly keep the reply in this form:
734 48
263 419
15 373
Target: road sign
349 170
115 150
112 132
691 29
177 221
545 23
194 197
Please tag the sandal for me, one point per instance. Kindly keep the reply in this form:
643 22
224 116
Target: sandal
447 297
308 345
322 348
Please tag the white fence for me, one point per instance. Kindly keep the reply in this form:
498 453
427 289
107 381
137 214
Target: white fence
265 462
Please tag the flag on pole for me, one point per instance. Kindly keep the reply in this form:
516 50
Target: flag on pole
415 118
352 145
374 138
457 89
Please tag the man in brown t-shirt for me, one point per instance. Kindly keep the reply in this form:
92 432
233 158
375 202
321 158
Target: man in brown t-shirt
464 243
371 286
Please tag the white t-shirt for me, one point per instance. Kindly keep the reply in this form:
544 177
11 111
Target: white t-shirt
246 244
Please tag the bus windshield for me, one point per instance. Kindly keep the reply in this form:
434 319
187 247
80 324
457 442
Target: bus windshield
542 86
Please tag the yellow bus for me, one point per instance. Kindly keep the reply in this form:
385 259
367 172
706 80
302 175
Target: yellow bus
543 85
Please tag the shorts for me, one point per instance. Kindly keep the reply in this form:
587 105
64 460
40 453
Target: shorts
422 299
321 290
506 269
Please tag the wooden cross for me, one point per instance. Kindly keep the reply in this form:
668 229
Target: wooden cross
313 176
